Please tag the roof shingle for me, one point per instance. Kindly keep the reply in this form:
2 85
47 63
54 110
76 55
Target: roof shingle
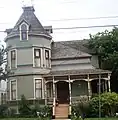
70 49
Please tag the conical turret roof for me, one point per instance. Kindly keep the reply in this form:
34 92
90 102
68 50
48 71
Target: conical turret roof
28 16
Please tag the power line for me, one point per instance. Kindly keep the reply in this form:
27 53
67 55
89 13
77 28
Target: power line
107 17
79 27
73 19
84 27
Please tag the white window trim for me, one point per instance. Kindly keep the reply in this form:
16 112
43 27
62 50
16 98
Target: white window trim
21 32
10 57
16 89
41 88
34 56
49 57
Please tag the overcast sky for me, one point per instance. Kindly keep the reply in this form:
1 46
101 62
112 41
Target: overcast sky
50 12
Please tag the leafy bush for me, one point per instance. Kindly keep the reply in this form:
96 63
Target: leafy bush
108 102
80 109
3 111
24 108
44 111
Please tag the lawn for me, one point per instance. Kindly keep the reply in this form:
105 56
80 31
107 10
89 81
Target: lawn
102 119
49 119
97 119
23 119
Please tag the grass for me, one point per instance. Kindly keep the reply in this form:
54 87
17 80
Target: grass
23 119
102 119
49 119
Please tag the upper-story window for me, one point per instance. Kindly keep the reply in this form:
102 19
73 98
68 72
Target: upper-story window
47 58
24 31
37 57
13 59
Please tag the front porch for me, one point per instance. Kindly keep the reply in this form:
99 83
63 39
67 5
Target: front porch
68 88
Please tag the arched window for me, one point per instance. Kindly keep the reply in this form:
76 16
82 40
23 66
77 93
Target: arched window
24 32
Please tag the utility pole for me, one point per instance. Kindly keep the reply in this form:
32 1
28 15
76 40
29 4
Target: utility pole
99 96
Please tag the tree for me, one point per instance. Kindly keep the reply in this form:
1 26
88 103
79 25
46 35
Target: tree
105 45
4 71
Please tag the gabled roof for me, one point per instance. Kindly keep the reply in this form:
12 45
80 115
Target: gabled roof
30 18
70 49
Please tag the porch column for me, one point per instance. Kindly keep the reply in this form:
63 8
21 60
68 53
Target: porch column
109 87
69 96
89 88
45 92
54 99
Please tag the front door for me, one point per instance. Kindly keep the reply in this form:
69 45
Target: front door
63 92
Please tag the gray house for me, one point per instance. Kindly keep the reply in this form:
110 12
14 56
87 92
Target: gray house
50 72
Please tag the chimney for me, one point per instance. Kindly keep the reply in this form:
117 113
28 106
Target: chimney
28 8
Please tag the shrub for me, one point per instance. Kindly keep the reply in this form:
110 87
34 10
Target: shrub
44 111
3 111
24 108
108 102
80 109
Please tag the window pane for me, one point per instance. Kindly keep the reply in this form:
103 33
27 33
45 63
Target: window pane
24 32
38 93
24 27
37 62
38 83
24 35
46 54
13 59
37 53
13 55
14 95
38 88
13 90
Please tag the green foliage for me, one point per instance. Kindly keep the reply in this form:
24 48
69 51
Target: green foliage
105 44
80 109
24 108
4 71
108 102
3 111
44 111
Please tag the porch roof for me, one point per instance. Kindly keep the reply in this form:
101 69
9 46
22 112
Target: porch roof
77 72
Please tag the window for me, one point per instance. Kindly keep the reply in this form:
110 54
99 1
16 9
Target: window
37 57
38 88
24 32
13 90
13 59
47 58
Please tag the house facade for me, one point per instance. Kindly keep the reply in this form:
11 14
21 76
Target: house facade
48 71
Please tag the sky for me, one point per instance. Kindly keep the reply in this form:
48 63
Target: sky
57 12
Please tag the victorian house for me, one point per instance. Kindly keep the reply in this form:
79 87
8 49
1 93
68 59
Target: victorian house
50 72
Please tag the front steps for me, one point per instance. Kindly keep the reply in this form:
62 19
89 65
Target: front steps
61 112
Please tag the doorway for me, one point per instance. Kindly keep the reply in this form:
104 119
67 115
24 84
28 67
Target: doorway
63 92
